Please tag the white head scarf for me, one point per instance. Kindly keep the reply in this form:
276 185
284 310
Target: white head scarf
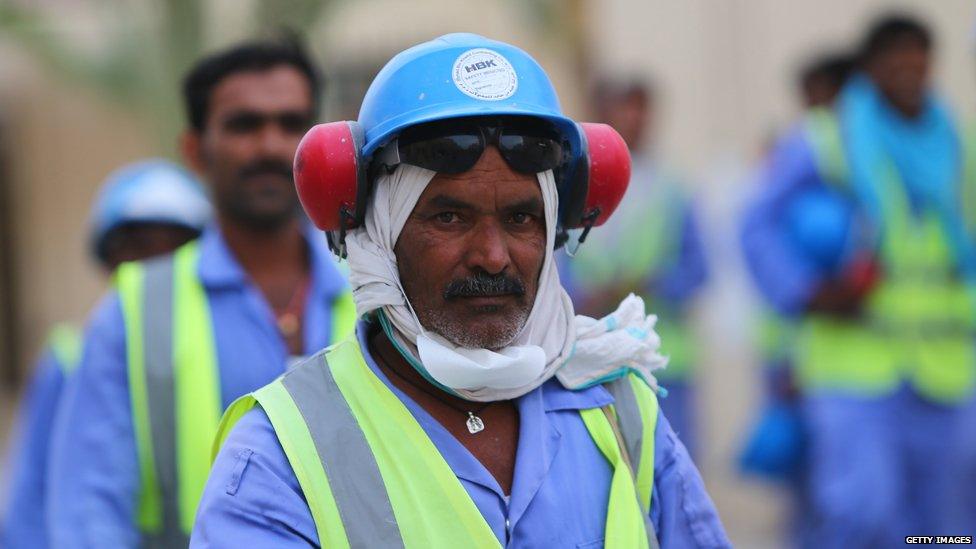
551 325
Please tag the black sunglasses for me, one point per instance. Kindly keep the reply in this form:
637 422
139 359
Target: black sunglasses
528 145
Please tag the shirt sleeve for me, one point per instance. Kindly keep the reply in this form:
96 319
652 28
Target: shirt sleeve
784 277
252 497
94 474
23 521
681 511
682 279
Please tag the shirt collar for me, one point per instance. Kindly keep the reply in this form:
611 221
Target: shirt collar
556 397
219 268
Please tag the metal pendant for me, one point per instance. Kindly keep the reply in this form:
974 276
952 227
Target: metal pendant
475 425
288 325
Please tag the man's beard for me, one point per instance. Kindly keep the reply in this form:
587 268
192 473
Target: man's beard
462 334
260 213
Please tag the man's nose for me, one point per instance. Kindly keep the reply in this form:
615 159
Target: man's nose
275 142
488 248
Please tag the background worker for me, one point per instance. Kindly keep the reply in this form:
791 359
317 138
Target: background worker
651 246
181 338
963 499
878 267
457 417
776 445
822 79
143 210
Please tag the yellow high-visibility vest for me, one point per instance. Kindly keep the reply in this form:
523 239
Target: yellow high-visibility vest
174 386
373 478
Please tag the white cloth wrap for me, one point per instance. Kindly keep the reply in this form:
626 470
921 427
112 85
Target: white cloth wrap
551 325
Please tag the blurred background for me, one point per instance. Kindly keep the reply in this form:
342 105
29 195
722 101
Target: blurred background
87 85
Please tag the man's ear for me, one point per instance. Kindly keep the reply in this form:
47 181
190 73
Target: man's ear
191 149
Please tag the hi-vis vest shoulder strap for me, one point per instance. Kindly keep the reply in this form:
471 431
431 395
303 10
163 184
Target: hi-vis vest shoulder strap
372 477
174 389
64 342
174 386
823 132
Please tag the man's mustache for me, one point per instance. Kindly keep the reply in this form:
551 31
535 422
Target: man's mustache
268 166
483 285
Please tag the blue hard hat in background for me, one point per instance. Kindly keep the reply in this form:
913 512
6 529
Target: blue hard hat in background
459 75
777 445
820 222
151 191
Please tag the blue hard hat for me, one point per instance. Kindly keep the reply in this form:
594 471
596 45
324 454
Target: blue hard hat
459 75
819 223
777 445
151 191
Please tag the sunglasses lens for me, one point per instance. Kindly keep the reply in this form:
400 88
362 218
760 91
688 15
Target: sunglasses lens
443 154
454 146
530 154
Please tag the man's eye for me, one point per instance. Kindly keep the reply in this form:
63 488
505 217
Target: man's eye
521 218
295 122
244 123
447 217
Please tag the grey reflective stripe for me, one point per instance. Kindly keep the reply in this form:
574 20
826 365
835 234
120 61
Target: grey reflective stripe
628 417
157 325
349 464
632 430
651 534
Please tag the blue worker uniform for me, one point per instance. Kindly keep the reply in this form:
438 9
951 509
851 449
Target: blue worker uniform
785 276
95 468
863 448
669 281
24 520
676 285
253 497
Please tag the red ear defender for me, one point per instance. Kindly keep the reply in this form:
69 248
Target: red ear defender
609 172
328 171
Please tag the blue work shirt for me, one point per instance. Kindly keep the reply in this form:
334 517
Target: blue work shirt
95 468
786 278
23 521
253 498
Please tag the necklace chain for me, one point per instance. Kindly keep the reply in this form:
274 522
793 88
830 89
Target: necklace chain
474 423
289 318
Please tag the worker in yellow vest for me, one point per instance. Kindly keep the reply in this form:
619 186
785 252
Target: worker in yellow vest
472 408
860 238
143 210
182 336
652 246
963 499
775 447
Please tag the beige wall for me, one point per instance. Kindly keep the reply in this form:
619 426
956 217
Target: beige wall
63 141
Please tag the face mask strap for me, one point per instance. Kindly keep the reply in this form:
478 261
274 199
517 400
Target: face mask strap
387 327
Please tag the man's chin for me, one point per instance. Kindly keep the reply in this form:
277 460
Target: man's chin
266 217
481 329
